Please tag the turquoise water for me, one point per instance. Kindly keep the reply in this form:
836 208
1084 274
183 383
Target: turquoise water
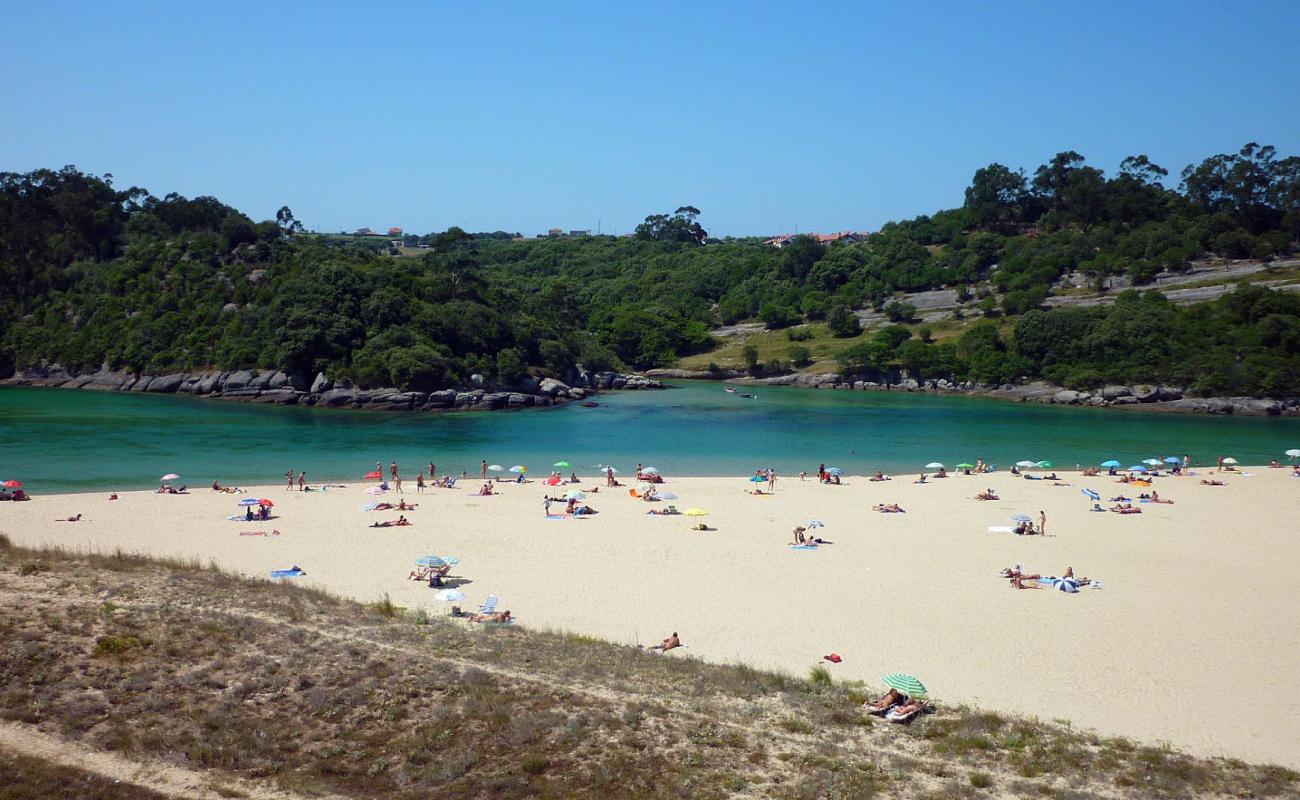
60 440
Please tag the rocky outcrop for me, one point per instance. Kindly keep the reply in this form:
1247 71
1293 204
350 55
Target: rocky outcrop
281 387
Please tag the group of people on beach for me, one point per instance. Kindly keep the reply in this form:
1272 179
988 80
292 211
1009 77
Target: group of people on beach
289 480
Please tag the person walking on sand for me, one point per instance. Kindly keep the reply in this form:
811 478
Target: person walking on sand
288 476
419 483
771 479
1042 523
546 506
482 471
302 480
397 482
609 476
392 470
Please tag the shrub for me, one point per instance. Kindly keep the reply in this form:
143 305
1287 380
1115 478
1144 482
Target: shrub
843 323
799 334
800 356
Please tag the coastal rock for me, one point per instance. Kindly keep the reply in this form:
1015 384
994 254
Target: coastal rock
284 380
211 382
283 397
603 380
445 398
1115 392
493 400
577 393
1146 394
260 381
142 383
239 379
167 384
1126 400
1167 393
527 385
1069 397
909 384
240 394
336 398
551 387
190 384
468 399
321 384
520 400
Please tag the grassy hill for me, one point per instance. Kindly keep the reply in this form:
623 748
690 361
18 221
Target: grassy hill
128 678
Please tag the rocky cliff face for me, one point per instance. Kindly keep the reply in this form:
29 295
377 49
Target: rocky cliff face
281 388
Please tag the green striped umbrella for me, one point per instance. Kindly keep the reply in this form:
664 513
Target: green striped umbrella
1045 464
904 683
561 464
965 466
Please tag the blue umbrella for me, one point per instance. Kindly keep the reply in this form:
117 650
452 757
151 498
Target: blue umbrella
1067 585
665 495
1022 518
816 523
249 501
1173 460
1091 494
436 561
1138 468
758 479
835 471
1110 464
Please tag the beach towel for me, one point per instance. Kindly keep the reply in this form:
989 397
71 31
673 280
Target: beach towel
236 518
286 573
1001 529
369 506
803 547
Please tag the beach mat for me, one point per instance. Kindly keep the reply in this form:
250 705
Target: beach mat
1001 529
803 547
286 573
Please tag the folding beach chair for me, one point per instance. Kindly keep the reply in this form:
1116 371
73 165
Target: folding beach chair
489 605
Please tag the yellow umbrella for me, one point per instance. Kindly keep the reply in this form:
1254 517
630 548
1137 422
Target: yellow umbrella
695 512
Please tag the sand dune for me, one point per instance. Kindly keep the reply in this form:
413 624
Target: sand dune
1192 640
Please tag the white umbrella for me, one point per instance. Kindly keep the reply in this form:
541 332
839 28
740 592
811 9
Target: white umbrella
650 470
495 467
1230 460
1026 463
934 465
1293 452
574 494
171 476
1151 462
449 596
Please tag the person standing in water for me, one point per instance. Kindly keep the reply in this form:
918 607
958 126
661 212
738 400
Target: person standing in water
302 480
288 477
483 470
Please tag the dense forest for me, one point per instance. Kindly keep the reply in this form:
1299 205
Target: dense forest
92 274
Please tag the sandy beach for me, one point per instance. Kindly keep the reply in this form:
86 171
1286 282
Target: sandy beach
1192 639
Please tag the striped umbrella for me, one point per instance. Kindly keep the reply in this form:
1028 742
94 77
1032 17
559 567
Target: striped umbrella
1091 494
907 684
1230 460
1173 460
1137 468
965 466
561 464
1151 462
758 479
1067 585
518 468
430 561
816 523
574 494
249 501
650 470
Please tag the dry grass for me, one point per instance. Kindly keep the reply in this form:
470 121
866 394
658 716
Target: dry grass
312 694
24 778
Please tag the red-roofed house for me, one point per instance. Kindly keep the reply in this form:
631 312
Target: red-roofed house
822 238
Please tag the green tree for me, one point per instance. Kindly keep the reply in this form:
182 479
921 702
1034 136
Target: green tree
843 323
800 356
749 354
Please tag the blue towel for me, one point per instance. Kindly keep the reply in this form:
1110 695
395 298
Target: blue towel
803 547
286 573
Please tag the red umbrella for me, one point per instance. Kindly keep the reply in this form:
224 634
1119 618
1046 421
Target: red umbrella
11 484
266 503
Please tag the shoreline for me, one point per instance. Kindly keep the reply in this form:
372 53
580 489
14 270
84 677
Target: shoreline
1138 397
277 387
916 592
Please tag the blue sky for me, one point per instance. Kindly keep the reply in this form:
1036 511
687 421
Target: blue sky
523 116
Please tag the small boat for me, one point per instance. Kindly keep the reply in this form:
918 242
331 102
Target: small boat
590 405
747 396
729 389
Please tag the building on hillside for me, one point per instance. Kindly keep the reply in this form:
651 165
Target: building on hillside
394 231
365 232
555 232
580 233
822 238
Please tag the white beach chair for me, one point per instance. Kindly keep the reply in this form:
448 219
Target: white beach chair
489 605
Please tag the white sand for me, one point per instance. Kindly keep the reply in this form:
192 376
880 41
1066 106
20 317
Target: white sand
1193 639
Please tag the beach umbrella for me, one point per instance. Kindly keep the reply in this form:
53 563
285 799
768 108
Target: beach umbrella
1067 585
1173 460
934 465
574 494
171 476
248 501
1022 518
495 467
834 471
12 484
1151 462
1293 452
1091 494
665 495
265 502
650 470
695 512
1230 460
758 479
816 523
430 561
1026 463
1045 464
904 683
965 466
449 596
1138 468
561 464
1112 464
519 469
644 487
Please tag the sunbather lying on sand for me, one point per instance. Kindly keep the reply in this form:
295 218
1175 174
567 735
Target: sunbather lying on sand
879 476
893 698
425 573
1010 572
1025 581
906 711
888 508
668 644
499 616
1125 508
667 512
987 494
1205 482
392 523
920 479
73 518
